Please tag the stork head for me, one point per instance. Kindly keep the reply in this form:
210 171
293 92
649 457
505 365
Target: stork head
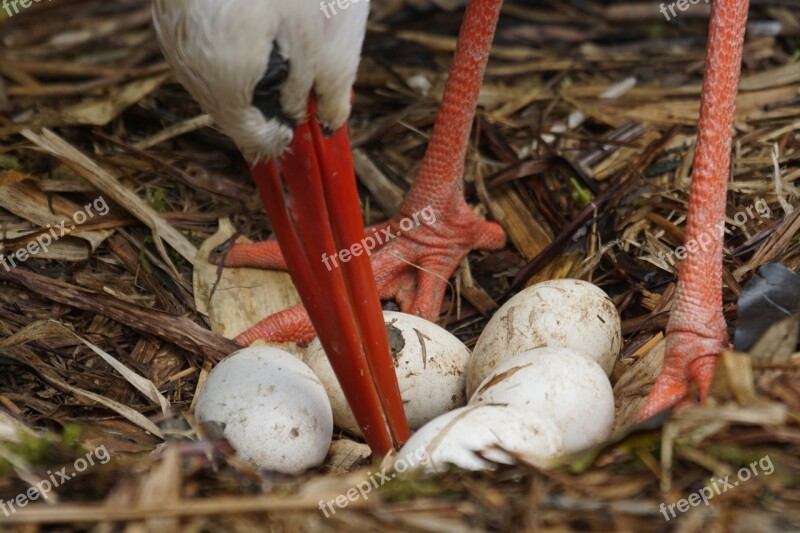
252 64
260 68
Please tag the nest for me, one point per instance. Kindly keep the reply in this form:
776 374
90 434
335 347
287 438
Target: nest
582 151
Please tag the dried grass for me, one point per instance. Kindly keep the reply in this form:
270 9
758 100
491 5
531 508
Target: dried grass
585 185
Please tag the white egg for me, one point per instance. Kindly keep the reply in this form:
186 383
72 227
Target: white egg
273 409
454 437
569 389
430 364
569 313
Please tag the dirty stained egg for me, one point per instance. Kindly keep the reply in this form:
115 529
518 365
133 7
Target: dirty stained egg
273 409
567 313
430 363
462 436
558 384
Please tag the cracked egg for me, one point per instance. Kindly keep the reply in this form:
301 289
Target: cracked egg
430 363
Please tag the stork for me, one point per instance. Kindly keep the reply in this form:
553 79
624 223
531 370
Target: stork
277 77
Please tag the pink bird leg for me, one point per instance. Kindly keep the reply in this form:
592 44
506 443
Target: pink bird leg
696 331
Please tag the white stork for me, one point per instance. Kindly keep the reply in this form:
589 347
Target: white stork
277 76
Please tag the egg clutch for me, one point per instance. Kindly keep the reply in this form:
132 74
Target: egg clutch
536 386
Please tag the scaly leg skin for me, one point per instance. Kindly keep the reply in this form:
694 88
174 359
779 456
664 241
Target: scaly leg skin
696 331
414 267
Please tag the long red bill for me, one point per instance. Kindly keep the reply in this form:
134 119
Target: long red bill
312 203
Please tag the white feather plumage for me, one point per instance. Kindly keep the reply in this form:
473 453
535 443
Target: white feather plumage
219 51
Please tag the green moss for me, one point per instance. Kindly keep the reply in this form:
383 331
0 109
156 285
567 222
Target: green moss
580 462
8 162
43 449
70 435
5 468
413 485
35 449
146 265
155 199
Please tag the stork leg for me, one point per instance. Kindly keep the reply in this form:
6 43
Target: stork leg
414 266
696 331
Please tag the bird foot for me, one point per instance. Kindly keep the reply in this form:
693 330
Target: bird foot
413 255
690 359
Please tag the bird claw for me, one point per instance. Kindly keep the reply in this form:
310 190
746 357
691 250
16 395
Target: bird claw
689 364
412 268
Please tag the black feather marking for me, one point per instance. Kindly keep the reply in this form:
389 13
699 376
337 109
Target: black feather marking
267 94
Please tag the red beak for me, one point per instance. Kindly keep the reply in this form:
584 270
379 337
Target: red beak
313 205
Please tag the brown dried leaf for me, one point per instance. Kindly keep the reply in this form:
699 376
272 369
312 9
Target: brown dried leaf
244 296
